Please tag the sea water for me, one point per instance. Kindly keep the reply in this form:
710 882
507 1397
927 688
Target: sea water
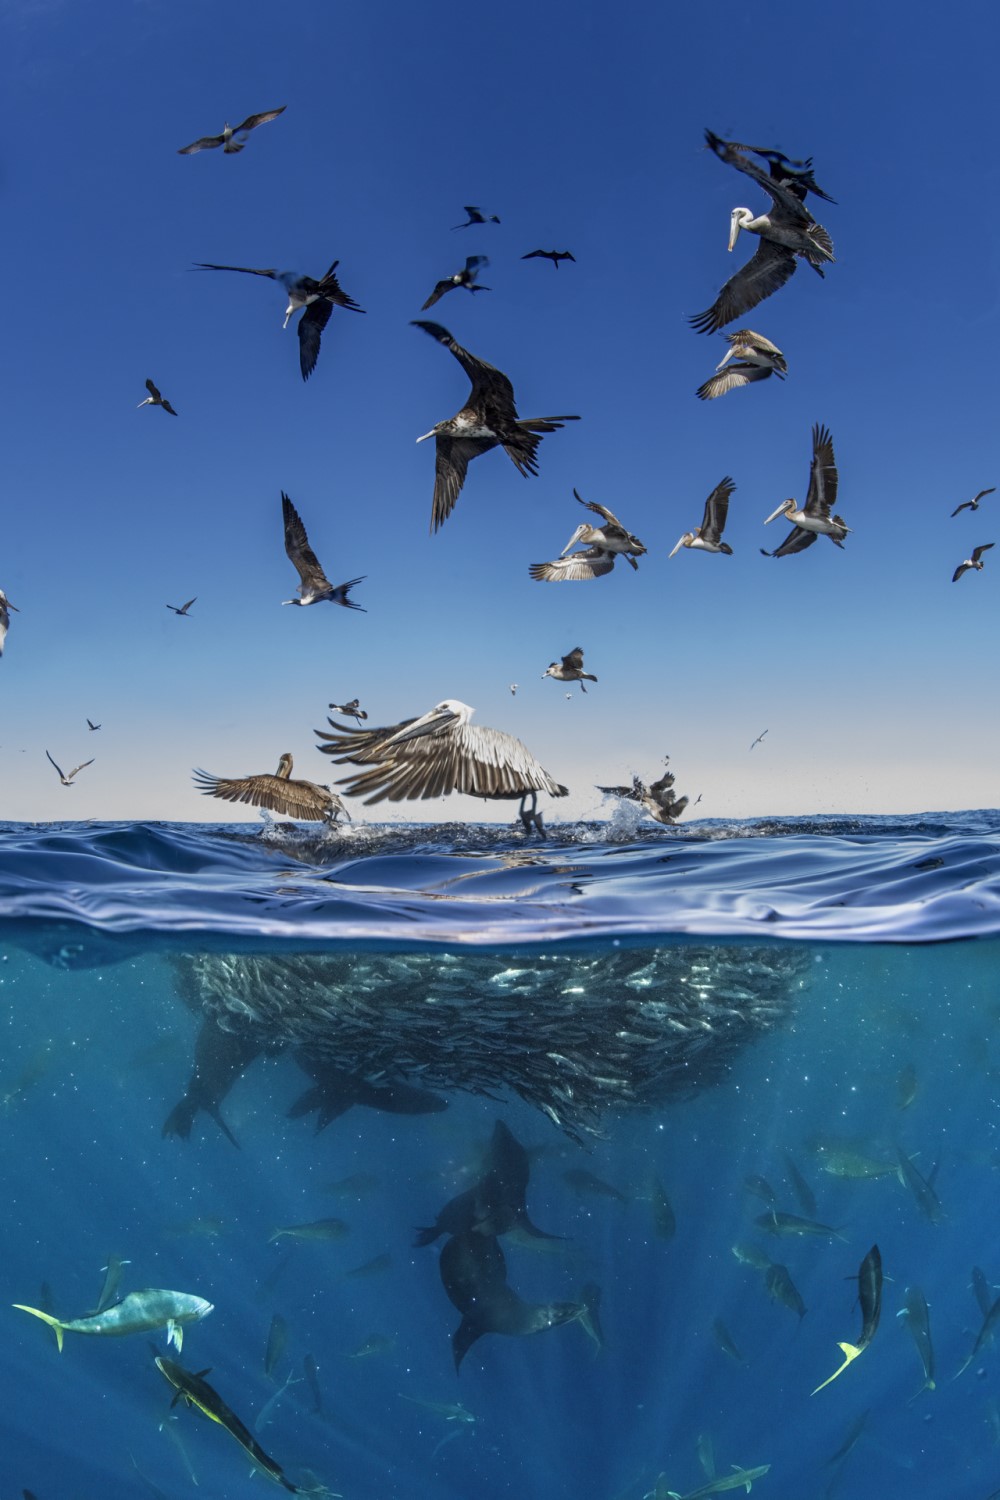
689 1033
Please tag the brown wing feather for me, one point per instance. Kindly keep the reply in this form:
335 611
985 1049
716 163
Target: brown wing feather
296 799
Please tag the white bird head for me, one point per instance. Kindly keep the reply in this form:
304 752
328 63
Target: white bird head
685 541
738 220
783 508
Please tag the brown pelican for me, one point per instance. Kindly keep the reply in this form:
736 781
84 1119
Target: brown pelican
318 298
592 562
570 669
708 537
296 799
92 726
657 799
155 399
555 256
473 265
788 231
437 754
611 537
975 561
759 740
5 608
476 216
68 780
757 359
183 608
488 418
228 139
814 518
315 585
973 504
352 710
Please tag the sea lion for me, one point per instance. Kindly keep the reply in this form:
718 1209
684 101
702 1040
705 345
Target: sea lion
474 1275
335 1091
220 1058
496 1204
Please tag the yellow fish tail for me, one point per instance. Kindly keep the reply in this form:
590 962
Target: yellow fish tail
850 1352
53 1323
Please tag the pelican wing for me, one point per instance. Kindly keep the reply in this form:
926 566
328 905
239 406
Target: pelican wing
601 510
797 540
716 510
765 272
782 195
730 379
592 562
296 799
488 382
299 551
796 175
252 121
822 496
451 464
745 339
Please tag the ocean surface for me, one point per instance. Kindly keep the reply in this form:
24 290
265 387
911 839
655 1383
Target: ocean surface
251 1063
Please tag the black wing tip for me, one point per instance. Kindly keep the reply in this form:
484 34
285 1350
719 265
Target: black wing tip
436 330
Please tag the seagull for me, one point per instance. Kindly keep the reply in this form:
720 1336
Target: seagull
437 754
226 140
319 298
555 256
92 726
476 216
512 688
5 608
657 799
155 399
488 418
296 799
814 518
757 359
787 231
592 562
473 265
315 585
570 669
352 710
68 780
184 607
708 536
973 504
975 561
611 537
759 740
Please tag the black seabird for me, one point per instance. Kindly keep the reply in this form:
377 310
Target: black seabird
555 256
476 216
233 137
155 399
92 726
315 585
184 607
973 504
68 780
352 710
473 265
279 793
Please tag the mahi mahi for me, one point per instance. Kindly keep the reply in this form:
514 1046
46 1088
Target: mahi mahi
870 1297
139 1312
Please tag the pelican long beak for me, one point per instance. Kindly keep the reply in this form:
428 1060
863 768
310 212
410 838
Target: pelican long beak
734 227
782 508
429 723
680 544
578 533
729 356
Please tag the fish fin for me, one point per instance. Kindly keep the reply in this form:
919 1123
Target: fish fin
200 1374
175 1335
53 1323
850 1352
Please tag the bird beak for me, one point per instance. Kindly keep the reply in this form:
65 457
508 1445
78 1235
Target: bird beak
290 309
578 533
437 718
425 437
734 228
776 513
679 546
729 356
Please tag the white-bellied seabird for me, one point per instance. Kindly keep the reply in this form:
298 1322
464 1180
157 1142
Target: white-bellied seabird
488 418
352 710
476 216
756 357
787 231
317 298
555 256
973 504
233 137
5 608
611 537
657 799
68 780
473 265
184 607
975 561
814 519
315 585
437 754
512 689
279 793
92 726
155 399
708 536
570 669
759 740
591 562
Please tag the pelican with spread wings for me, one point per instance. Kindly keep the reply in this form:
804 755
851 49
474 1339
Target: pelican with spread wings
814 518
279 793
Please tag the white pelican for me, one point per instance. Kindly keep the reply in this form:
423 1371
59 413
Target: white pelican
68 780
318 298
787 231
814 519
757 359
473 265
476 216
233 137
708 536
570 669
5 608
973 504
437 754
488 418
183 609
591 562
975 561
657 799
296 799
315 585
155 399
611 537
555 256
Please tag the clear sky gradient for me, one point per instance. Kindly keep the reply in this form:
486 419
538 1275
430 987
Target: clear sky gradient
582 128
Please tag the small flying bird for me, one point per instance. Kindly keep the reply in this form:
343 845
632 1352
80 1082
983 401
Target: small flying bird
315 585
184 607
279 793
233 137
657 799
814 518
759 740
512 687
555 256
92 726
155 399
973 504
591 562
352 710
476 216
5 608
68 780
756 357
317 298
473 265
488 418
437 754
570 669
708 536
975 561
611 537
786 232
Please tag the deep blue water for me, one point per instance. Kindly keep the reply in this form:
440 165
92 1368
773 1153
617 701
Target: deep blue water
633 1003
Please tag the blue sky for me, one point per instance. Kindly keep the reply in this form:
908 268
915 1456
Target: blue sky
581 130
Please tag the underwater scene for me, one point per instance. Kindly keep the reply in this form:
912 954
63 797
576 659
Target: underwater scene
394 1162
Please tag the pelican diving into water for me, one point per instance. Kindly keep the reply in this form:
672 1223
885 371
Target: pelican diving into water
786 232
611 537
5 608
155 399
975 561
973 504
488 418
437 754
473 265
708 536
315 585
757 358
570 669
68 780
233 137
814 519
657 799
279 793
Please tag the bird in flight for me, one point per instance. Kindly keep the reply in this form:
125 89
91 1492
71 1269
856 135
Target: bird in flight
657 799
233 137
555 256
5 608
756 357
315 586
973 504
708 536
975 561
476 216
352 710
184 607
570 669
589 562
814 519
68 780
92 726
279 793
611 537
473 265
759 740
155 399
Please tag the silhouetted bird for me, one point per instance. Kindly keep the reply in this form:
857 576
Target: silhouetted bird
975 561
315 585
184 607
476 216
555 256
973 504
473 265
233 137
155 399
68 780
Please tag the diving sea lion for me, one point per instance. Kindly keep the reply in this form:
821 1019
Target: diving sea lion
334 1092
497 1202
474 1275
220 1058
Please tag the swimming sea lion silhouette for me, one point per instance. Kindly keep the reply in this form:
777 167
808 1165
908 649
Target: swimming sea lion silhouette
474 1275
496 1203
